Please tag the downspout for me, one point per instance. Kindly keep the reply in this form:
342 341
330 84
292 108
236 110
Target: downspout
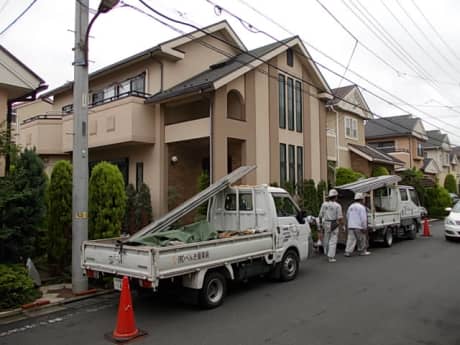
161 72
211 138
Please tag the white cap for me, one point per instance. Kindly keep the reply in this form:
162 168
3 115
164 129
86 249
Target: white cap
359 196
332 193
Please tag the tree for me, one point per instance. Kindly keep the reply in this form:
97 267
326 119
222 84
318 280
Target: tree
413 177
143 210
450 184
60 216
203 183
380 171
129 225
346 175
437 199
22 207
309 199
107 201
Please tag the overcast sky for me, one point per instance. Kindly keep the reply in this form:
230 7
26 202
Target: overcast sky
417 68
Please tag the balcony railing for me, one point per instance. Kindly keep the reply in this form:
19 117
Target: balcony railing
41 117
391 149
68 109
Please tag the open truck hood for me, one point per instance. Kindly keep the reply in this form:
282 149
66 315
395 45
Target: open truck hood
169 218
368 184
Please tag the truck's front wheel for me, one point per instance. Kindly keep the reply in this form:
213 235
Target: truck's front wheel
214 289
289 266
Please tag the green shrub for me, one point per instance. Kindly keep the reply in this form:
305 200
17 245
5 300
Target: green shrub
321 188
380 171
346 175
450 184
309 200
16 287
107 201
143 212
203 183
413 177
22 208
129 225
437 199
60 216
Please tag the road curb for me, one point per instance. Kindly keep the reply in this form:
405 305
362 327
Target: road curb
45 304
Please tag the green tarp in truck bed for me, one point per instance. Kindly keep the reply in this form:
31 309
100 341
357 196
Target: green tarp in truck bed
196 232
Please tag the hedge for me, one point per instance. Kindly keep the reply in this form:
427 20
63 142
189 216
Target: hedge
16 288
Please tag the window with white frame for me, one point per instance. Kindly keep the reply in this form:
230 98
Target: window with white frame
290 99
351 128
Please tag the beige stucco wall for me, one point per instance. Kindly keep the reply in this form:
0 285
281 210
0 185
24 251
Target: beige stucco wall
262 109
43 135
29 109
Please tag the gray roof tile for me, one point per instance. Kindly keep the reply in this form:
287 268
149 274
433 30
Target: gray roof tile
391 126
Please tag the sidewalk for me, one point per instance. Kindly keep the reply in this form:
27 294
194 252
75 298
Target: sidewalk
52 296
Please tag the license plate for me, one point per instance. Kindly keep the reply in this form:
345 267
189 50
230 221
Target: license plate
117 284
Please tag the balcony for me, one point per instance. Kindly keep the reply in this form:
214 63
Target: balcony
188 130
44 132
123 119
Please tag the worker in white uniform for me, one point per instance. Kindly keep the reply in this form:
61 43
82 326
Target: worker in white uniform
357 226
331 218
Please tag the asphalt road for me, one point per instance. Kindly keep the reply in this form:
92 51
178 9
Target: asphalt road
407 294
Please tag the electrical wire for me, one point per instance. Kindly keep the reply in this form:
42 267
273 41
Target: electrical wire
349 62
361 87
18 17
271 65
435 30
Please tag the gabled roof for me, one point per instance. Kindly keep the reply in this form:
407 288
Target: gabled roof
227 70
395 126
16 78
456 151
372 154
165 49
436 139
204 81
430 166
349 98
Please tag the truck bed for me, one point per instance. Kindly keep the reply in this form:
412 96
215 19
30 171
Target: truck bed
153 263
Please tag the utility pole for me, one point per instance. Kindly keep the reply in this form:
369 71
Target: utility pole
80 145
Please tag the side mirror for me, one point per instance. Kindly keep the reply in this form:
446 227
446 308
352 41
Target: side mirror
448 209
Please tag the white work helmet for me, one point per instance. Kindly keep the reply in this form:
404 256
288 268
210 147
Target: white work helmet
359 196
332 193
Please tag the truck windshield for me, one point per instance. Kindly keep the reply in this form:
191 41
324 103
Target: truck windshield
285 207
414 196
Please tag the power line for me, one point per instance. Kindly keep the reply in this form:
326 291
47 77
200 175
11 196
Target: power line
435 30
18 17
412 37
360 76
349 61
428 39
268 63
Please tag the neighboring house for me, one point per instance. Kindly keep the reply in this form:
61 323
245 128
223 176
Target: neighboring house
346 144
18 83
455 163
437 148
401 137
196 103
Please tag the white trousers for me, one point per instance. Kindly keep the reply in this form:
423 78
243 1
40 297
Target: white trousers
330 240
354 237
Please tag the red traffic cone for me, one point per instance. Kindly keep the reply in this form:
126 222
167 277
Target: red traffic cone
426 228
125 329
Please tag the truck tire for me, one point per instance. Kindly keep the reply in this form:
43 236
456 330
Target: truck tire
289 266
388 238
412 232
214 289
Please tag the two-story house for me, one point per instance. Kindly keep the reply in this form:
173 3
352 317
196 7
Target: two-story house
399 136
18 83
438 148
199 102
346 144
455 162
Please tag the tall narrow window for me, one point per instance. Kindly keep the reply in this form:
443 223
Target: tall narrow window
290 57
282 164
282 100
139 175
298 106
299 164
290 103
291 157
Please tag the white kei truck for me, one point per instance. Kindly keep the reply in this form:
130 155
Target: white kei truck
394 211
249 231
